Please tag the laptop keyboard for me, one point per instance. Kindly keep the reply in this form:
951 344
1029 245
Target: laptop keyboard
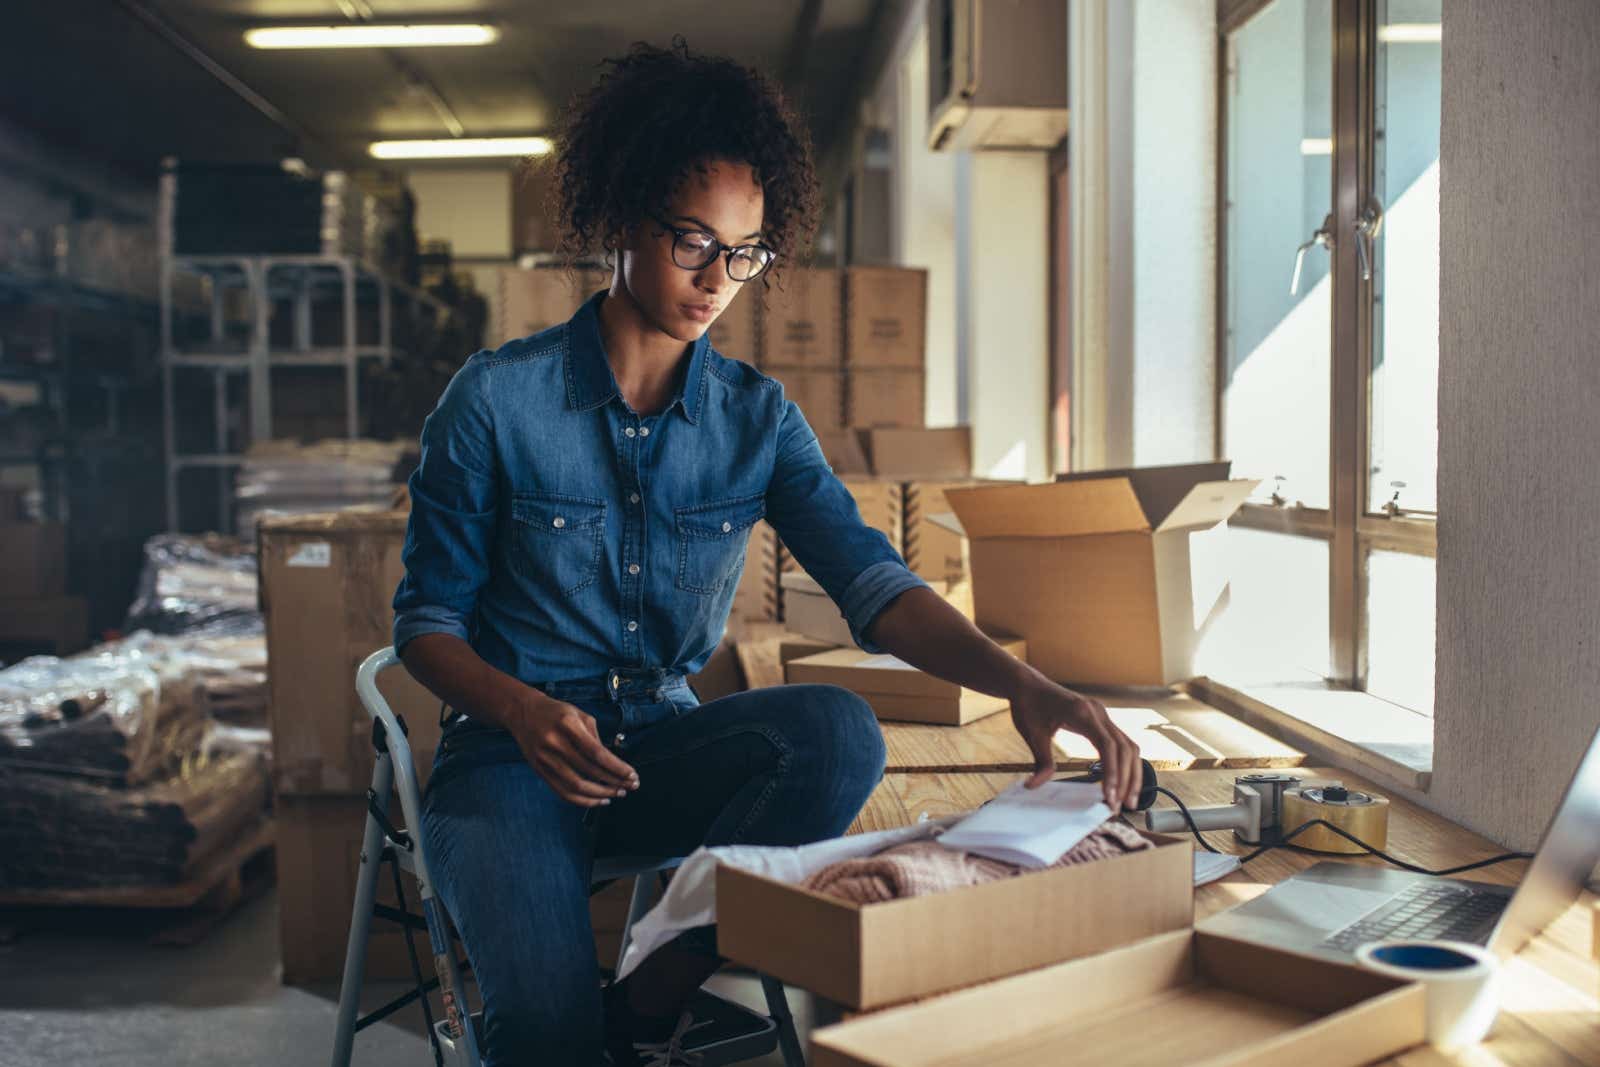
1424 912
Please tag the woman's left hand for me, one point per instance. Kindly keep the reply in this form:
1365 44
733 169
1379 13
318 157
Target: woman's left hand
1043 707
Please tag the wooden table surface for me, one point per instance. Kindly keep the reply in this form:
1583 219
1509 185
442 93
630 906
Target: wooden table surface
1549 989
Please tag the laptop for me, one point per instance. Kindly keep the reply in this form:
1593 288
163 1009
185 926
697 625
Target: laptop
1331 909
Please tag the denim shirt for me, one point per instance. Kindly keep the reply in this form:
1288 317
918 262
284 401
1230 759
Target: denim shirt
563 535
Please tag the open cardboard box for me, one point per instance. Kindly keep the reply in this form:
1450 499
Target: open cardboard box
872 955
1112 577
897 691
1180 998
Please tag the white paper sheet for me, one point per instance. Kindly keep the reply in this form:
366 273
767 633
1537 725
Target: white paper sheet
1210 866
1031 827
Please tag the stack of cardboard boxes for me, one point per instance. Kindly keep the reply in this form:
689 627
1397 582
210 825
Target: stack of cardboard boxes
800 344
327 588
36 614
885 333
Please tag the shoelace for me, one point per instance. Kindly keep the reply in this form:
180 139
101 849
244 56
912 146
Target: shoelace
670 1053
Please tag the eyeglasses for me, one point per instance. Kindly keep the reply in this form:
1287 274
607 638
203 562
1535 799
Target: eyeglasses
696 250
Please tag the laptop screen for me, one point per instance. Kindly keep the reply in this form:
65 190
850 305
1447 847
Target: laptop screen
1566 856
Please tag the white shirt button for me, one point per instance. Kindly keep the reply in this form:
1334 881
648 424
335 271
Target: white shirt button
727 527
633 498
633 568
558 522
630 431
632 626
644 431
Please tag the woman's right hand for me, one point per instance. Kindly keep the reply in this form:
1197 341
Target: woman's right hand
563 746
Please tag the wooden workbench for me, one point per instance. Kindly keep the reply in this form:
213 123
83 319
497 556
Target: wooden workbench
1549 990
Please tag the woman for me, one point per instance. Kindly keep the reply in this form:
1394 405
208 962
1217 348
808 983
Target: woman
577 530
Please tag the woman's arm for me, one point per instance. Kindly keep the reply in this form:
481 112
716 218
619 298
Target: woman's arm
920 627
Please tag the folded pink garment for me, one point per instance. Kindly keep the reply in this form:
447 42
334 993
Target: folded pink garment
922 867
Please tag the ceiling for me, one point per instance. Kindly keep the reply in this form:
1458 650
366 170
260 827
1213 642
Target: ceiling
131 81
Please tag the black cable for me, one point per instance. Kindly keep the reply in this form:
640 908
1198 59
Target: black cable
1284 844
1170 795
1354 840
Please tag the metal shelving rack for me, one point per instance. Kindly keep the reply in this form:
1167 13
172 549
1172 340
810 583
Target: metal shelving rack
262 281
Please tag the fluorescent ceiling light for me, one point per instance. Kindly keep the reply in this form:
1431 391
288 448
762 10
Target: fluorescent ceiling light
1410 33
1316 146
361 35
461 148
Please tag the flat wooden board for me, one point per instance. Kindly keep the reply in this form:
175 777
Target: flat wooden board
1173 731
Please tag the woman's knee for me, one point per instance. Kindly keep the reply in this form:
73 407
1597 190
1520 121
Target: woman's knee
843 732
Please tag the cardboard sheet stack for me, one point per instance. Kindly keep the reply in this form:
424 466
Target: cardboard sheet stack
286 477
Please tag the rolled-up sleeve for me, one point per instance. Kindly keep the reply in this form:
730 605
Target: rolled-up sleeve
451 532
819 522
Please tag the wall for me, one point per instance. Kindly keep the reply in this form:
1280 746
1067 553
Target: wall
470 208
1144 230
1518 677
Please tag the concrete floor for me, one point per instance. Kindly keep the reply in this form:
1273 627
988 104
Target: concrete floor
90 992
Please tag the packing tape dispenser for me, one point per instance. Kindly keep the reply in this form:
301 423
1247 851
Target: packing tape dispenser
1266 805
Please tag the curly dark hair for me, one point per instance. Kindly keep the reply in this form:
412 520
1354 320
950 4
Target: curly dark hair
626 143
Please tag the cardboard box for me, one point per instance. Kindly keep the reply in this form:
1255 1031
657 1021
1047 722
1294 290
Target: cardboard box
33 559
873 955
59 625
793 646
534 300
809 611
318 860
883 398
720 676
918 452
897 691
736 333
886 317
800 325
327 585
820 394
842 449
934 546
1097 573
756 596
1180 998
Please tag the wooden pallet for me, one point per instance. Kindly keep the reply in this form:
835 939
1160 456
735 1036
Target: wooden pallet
181 914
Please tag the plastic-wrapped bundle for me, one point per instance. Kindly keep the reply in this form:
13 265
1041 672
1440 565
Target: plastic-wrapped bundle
285 477
229 673
59 832
103 715
198 585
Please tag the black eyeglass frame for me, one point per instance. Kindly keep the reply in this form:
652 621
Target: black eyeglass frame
717 248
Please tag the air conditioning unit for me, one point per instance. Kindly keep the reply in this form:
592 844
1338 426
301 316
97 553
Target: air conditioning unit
997 73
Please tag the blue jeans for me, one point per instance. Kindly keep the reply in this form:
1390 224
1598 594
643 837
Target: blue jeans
511 860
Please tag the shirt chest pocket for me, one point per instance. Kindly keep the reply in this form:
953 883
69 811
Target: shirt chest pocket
557 540
711 541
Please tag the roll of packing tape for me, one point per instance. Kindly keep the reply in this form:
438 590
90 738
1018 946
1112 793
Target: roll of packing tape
1364 816
1461 981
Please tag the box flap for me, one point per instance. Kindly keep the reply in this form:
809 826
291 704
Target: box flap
947 520
1062 509
1159 489
801 582
1208 504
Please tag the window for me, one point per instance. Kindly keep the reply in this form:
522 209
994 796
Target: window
1328 356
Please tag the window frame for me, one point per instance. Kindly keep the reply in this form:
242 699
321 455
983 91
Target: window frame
1350 524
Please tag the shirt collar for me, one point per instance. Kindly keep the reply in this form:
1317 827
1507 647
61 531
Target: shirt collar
590 382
